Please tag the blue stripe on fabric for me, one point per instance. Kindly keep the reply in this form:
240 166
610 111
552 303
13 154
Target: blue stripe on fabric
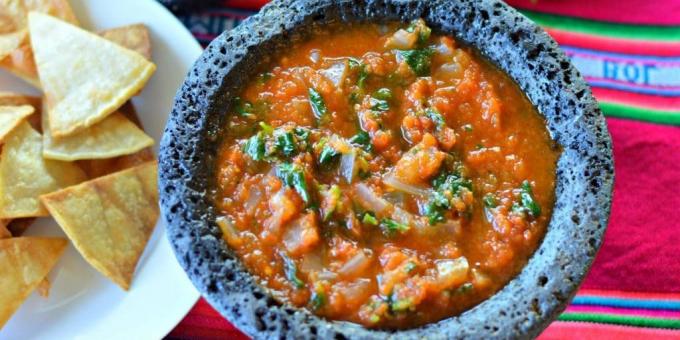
626 303
633 88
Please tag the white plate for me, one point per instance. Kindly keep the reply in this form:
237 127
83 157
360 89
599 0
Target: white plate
83 304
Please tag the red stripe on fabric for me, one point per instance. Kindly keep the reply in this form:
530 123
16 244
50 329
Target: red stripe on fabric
643 12
593 331
651 313
637 99
629 295
640 248
616 45
245 4
203 323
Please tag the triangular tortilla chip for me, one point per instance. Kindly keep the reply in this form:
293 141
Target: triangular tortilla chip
114 136
20 63
24 263
16 99
135 37
110 219
13 30
14 19
101 167
25 175
11 116
85 77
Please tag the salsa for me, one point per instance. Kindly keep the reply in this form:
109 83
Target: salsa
383 174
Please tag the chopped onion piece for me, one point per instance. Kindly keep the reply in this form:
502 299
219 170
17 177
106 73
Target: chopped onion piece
391 181
402 40
451 273
369 200
301 235
347 166
354 293
326 275
254 199
311 262
356 265
315 55
336 73
402 216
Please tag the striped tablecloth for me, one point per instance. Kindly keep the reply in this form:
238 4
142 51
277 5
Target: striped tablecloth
629 51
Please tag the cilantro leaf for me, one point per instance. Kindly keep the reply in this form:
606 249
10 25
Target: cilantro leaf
255 147
318 104
436 207
285 143
527 198
362 139
293 176
391 226
327 155
418 60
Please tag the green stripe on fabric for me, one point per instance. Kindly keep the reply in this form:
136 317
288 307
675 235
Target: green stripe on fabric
655 116
660 33
621 320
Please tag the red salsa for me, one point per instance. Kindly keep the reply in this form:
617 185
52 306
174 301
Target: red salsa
384 175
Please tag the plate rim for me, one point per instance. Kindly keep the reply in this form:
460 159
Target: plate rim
190 43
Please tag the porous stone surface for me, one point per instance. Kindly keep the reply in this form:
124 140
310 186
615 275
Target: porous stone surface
527 304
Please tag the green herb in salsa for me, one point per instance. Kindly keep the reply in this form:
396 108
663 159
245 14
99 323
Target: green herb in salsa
293 176
291 270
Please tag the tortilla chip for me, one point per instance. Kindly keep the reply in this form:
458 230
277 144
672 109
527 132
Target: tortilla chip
13 30
101 167
110 219
57 8
4 232
14 20
134 37
85 77
17 226
11 116
25 175
112 137
16 99
21 63
24 263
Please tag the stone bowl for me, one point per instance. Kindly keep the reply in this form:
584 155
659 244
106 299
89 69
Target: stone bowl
528 303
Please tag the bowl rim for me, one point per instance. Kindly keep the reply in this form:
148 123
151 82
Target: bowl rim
524 306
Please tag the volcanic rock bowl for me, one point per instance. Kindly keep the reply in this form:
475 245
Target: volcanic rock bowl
528 303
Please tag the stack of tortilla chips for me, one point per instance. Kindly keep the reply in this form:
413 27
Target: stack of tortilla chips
78 154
